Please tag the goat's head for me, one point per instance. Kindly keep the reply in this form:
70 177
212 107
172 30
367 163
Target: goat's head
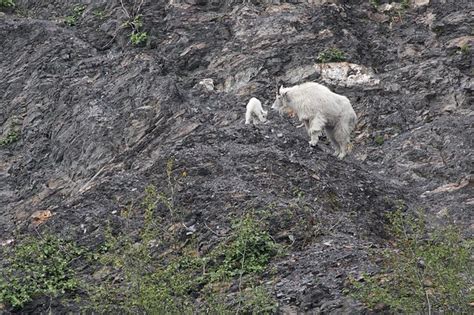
280 103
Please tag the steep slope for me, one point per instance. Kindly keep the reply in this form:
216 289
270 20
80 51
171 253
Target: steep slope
99 120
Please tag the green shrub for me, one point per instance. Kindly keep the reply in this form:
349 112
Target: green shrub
37 267
12 137
77 12
331 55
249 250
138 38
99 14
424 273
7 3
70 20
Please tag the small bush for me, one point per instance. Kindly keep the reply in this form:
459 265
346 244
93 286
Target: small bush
331 55
37 267
7 3
249 251
424 273
99 14
77 12
70 20
138 38
11 137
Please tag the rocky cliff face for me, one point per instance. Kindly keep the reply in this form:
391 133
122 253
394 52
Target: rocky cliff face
94 119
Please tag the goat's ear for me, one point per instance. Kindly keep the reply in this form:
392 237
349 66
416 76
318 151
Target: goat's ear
282 91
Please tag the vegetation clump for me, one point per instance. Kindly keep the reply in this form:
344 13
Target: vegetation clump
36 267
424 272
77 11
331 55
137 36
12 137
7 3
180 279
146 265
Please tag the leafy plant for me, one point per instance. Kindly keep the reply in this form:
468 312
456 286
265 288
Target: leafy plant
256 300
138 38
100 14
37 267
249 250
331 55
70 20
7 3
77 12
423 273
11 137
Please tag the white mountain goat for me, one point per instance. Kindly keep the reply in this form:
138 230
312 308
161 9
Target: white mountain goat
254 107
319 108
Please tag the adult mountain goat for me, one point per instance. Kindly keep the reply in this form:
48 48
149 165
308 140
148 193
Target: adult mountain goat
319 108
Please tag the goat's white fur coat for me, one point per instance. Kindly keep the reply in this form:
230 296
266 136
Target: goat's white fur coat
254 107
319 108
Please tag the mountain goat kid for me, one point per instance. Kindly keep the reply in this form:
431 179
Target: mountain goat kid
254 107
319 108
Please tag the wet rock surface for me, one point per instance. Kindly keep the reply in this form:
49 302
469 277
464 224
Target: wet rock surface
99 118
